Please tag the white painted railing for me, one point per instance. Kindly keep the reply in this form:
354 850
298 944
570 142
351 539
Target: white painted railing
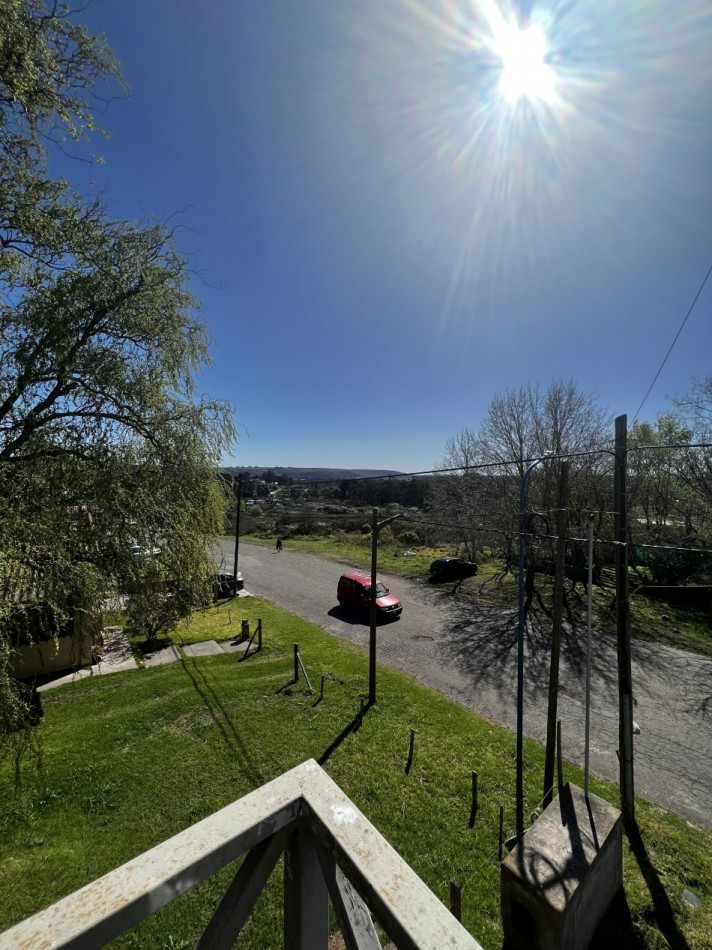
331 852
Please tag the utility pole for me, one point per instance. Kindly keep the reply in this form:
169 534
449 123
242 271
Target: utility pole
625 678
561 531
237 527
376 526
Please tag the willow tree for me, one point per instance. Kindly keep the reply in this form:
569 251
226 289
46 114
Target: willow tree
106 447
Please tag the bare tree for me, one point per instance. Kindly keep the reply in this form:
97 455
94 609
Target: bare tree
521 425
526 423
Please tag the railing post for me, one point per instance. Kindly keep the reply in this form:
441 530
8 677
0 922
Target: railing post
306 898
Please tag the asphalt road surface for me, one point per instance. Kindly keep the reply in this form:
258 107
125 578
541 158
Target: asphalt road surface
469 654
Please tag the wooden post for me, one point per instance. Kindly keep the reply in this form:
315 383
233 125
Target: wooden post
474 806
455 900
259 633
409 763
296 662
561 531
501 831
625 688
559 761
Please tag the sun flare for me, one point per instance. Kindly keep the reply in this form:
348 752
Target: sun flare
525 72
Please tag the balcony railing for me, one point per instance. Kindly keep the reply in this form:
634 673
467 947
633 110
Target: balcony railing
331 852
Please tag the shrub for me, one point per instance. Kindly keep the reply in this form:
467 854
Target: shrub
409 539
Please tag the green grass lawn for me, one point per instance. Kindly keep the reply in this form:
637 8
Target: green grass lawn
355 549
132 758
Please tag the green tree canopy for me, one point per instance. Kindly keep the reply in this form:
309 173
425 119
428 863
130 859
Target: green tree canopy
108 452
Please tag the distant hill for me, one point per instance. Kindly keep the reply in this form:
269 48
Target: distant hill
311 474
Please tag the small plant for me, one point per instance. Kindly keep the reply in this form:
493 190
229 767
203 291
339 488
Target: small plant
410 539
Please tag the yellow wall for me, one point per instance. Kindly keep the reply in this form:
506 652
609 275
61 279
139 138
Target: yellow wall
52 656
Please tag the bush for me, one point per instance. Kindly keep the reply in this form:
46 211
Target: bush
409 539
365 528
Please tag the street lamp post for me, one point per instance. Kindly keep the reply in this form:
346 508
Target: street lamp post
237 528
375 528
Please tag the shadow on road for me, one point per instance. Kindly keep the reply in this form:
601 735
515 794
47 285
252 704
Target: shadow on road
357 618
482 640
347 615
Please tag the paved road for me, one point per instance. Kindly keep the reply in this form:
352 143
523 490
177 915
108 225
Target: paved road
469 654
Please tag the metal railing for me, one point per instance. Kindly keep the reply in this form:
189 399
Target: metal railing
332 852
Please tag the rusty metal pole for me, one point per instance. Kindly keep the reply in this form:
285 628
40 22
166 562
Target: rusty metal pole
552 712
519 804
625 677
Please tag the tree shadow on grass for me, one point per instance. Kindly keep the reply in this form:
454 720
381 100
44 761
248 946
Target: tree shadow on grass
664 917
617 929
222 719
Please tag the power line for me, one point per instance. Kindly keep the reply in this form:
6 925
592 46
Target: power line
682 326
482 466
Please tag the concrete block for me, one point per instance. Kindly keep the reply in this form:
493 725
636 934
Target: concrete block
165 655
234 646
207 648
560 878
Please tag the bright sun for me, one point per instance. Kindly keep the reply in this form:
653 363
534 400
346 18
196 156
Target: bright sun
525 71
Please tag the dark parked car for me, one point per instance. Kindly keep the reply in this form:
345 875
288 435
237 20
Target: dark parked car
224 584
452 569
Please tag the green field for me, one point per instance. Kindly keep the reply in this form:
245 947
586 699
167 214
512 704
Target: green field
130 759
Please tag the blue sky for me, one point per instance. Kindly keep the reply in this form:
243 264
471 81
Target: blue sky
382 240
